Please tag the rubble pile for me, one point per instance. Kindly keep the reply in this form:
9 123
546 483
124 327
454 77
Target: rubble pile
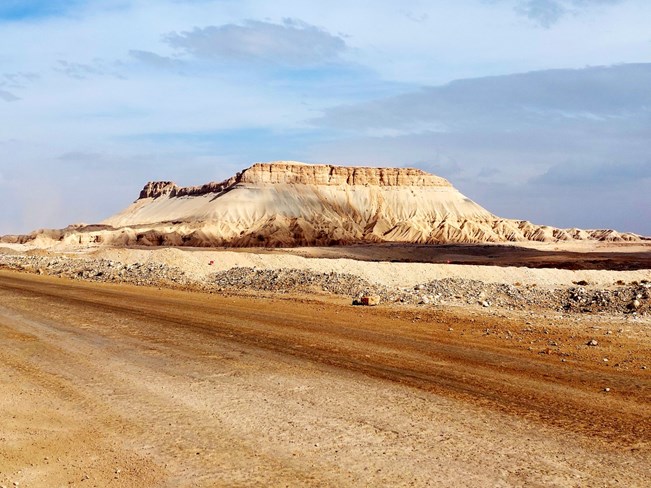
145 274
621 298
631 298
634 298
294 280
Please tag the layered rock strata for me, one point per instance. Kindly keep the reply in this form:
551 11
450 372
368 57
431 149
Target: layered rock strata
301 174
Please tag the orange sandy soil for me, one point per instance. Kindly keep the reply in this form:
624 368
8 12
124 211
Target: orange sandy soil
114 385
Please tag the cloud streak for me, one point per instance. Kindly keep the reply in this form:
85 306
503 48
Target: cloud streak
82 71
547 13
607 174
8 96
291 43
555 98
544 12
157 61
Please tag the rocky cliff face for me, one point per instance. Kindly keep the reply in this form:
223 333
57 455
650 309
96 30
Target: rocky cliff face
284 172
155 189
293 173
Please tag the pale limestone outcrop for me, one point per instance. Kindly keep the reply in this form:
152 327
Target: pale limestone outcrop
283 172
294 173
155 189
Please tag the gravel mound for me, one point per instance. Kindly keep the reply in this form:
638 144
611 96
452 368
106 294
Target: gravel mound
102 270
292 281
631 298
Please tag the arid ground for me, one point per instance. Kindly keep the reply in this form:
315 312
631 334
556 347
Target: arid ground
116 385
579 255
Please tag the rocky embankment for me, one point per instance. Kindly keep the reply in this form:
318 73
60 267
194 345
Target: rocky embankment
621 298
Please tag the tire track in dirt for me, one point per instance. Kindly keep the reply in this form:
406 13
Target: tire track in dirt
482 374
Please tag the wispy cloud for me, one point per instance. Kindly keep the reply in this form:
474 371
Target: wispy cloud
488 172
18 80
81 71
550 98
546 13
608 174
15 81
156 60
8 96
415 16
292 43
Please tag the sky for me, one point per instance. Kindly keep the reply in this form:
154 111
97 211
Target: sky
535 109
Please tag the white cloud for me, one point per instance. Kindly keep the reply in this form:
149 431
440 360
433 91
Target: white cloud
292 43
156 60
81 71
546 13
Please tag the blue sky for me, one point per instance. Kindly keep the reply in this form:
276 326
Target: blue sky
537 109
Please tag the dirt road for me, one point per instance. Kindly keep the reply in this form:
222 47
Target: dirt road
112 385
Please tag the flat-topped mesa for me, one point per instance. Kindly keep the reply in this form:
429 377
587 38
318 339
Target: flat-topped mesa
295 173
285 203
291 172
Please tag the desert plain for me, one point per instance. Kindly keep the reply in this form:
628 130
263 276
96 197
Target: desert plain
178 377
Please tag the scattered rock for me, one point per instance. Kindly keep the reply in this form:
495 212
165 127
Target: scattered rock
592 342
368 300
